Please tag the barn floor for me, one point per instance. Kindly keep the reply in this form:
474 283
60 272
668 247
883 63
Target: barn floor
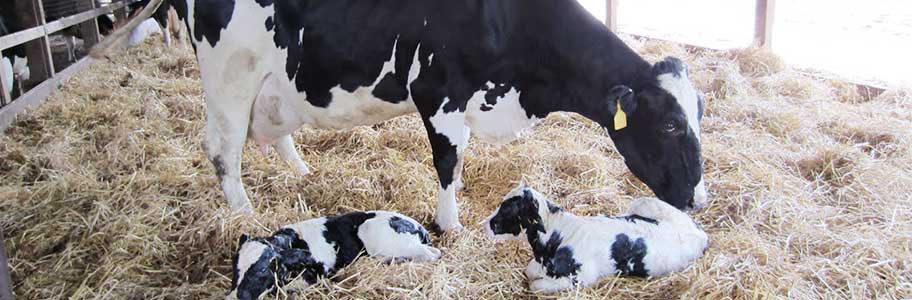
105 192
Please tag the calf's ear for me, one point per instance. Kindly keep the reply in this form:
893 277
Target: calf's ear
243 239
296 257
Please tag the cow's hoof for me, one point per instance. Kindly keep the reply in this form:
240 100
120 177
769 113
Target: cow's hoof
302 169
437 229
246 209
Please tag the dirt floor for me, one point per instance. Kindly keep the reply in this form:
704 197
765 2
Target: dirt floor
105 192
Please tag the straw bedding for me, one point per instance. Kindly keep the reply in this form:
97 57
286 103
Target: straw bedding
105 192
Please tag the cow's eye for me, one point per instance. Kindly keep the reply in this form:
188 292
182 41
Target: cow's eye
670 127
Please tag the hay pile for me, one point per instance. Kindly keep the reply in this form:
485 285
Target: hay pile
105 192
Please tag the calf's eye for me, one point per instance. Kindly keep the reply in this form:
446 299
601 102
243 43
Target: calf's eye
670 127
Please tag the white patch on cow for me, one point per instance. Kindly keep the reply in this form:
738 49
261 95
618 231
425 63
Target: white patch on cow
430 59
671 245
311 231
382 241
7 69
451 125
248 255
425 22
21 69
447 213
503 122
700 194
682 89
145 29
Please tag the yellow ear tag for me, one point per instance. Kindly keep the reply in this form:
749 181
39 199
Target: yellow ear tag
620 118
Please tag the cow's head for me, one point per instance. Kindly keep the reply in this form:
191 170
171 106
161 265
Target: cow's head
263 264
661 140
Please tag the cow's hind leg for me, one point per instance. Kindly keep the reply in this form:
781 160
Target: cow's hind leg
228 106
286 148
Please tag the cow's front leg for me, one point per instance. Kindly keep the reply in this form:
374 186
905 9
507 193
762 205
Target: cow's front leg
449 137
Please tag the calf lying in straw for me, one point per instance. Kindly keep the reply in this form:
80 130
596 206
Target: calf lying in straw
652 240
297 255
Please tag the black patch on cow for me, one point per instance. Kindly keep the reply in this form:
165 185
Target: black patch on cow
219 165
342 232
628 255
391 89
634 218
499 91
699 107
260 277
516 214
265 3
671 65
210 18
401 225
556 259
270 24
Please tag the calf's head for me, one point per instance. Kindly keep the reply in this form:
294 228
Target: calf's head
263 264
657 131
522 209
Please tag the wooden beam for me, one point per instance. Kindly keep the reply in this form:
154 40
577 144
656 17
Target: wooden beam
38 94
611 12
89 28
6 285
763 23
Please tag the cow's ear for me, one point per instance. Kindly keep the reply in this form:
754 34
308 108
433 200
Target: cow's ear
243 239
623 95
621 103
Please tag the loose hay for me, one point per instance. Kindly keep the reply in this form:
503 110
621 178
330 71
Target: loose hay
106 193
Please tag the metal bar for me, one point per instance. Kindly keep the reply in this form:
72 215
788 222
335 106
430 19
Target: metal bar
763 23
6 285
39 94
611 8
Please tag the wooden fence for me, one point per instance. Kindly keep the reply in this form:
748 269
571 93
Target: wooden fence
36 39
44 79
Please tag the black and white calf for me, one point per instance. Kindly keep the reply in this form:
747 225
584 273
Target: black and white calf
492 67
13 61
653 239
297 255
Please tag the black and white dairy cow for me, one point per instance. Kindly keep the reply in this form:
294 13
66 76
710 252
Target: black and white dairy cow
492 67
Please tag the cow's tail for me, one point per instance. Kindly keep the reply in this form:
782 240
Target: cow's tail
99 50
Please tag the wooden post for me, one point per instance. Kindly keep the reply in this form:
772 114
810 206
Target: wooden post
611 8
4 96
6 285
89 29
763 23
38 51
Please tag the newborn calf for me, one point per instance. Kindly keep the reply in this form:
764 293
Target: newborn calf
297 255
654 239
